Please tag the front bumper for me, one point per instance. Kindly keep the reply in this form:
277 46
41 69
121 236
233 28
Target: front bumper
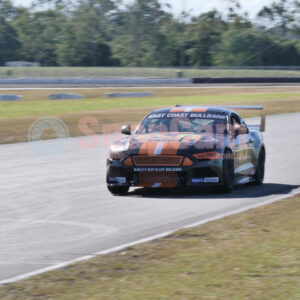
202 173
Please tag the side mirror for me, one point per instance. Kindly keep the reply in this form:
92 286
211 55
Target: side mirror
126 129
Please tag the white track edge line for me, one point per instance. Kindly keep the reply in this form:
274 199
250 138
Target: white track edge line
144 240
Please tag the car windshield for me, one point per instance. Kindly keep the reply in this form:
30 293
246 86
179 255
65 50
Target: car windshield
183 122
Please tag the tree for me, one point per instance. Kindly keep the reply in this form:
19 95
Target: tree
7 10
283 15
235 18
40 34
9 43
86 35
77 50
204 33
141 34
253 48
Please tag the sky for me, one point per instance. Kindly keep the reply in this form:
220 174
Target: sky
197 7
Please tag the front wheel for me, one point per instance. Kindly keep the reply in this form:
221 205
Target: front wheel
118 190
228 172
260 168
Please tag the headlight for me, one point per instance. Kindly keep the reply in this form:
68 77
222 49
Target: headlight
208 155
115 155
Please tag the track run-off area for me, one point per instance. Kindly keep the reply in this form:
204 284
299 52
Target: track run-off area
55 208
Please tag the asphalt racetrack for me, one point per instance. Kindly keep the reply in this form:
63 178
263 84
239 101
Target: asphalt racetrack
55 206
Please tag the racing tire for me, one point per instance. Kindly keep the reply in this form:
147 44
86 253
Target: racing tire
259 175
118 190
228 172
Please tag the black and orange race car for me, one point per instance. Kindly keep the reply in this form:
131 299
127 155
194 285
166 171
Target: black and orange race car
188 146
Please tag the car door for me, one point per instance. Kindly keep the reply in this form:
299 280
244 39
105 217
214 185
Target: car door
248 151
240 145
244 144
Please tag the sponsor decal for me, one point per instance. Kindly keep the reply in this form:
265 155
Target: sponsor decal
157 169
120 180
197 180
156 116
205 180
199 115
207 116
211 179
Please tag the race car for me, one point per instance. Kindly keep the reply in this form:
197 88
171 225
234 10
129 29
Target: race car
188 146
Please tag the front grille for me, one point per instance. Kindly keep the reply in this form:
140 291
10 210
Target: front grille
155 161
158 179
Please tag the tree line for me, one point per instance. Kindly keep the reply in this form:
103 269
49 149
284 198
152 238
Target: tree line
144 33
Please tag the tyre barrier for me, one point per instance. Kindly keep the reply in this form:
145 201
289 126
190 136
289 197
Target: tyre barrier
9 97
208 80
63 96
129 95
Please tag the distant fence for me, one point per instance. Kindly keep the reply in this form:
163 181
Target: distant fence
147 72
94 81
145 81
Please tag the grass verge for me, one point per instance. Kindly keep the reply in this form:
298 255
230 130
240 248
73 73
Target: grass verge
252 255
16 117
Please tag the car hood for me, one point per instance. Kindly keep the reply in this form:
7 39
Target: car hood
168 143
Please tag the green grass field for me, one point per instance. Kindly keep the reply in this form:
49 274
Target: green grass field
16 117
127 72
43 107
254 255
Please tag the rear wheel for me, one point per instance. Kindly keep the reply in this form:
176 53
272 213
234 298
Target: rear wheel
118 190
228 172
260 168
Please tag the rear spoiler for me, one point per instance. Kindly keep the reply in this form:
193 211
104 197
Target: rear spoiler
262 126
